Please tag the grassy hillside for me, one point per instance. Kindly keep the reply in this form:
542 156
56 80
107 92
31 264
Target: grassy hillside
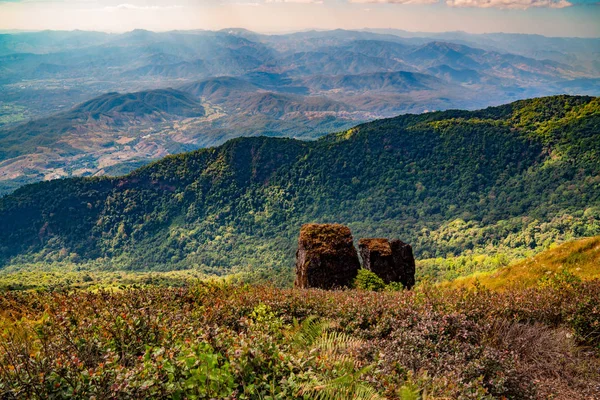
571 261
505 180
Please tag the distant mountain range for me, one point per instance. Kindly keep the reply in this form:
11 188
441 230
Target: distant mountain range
87 103
506 179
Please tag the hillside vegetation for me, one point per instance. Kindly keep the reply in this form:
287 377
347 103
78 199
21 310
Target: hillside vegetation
504 181
213 340
167 101
121 109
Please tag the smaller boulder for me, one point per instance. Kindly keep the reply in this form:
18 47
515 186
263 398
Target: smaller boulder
326 257
404 261
391 261
377 257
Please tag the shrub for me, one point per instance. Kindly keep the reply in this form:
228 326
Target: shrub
215 340
368 280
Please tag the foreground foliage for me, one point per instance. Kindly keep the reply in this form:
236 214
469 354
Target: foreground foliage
215 340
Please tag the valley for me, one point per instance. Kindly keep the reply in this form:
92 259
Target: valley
302 85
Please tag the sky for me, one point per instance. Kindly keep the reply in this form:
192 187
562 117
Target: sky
546 17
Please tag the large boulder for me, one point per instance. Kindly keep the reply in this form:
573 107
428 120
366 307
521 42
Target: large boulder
326 257
391 261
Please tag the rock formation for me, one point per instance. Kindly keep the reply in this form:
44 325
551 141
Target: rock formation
391 261
405 261
326 257
376 254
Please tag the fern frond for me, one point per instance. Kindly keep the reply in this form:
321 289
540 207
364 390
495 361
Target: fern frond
409 392
334 349
347 386
341 388
306 333
332 342
338 348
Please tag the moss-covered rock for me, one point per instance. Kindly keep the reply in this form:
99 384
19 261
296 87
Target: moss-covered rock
391 261
326 257
404 261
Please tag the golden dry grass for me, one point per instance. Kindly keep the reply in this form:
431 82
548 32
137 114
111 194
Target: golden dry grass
580 258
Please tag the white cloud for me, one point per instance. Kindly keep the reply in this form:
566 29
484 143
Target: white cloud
296 1
127 6
509 4
503 4
394 1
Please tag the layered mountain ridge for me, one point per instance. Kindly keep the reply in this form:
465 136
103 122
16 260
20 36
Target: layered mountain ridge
302 85
513 178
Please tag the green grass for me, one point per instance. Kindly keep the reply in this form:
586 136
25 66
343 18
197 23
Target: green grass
90 276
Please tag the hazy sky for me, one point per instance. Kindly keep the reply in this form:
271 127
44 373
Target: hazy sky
548 17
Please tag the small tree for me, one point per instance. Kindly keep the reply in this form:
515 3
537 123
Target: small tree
368 280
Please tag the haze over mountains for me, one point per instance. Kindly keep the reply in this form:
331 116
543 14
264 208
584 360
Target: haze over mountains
57 120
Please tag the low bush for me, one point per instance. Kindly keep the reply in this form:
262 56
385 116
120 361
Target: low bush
368 280
218 340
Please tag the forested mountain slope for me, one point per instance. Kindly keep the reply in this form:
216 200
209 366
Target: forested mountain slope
510 178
